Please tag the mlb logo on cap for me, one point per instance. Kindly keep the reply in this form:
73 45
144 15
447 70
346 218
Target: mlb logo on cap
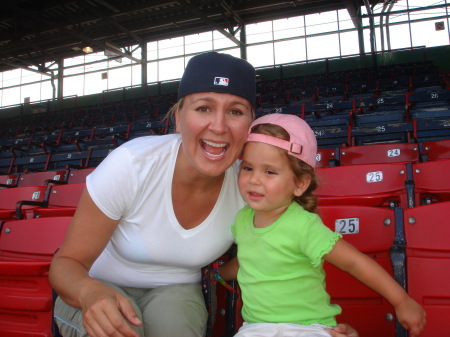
221 81
237 76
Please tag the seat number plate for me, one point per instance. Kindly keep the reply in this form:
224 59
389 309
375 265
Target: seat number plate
347 226
374 177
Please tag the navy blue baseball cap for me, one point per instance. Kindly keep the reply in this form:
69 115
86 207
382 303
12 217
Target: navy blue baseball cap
221 73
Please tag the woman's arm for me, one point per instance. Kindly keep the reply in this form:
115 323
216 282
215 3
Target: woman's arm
346 257
102 307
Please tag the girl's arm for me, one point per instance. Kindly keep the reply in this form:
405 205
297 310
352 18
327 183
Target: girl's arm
228 271
346 257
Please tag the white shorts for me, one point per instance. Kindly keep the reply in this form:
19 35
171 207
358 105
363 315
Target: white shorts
281 330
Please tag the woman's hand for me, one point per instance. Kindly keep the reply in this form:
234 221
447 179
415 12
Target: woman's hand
105 312
343 330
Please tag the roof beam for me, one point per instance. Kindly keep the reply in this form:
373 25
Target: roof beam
211 23
233 14
17 65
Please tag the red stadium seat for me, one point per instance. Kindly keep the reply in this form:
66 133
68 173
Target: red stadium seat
9 197
430 182
326 157
439 149
62 200
8 180
427 231
79 176
26 249
40 178
372 231
366 185
379 153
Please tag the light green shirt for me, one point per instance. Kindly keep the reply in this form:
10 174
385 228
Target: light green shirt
281 268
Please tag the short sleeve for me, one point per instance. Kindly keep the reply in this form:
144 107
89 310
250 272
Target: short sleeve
239 221
113 184
317 239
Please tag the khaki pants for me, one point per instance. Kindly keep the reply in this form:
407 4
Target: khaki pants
168 311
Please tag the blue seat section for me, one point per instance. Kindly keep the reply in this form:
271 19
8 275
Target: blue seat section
430 111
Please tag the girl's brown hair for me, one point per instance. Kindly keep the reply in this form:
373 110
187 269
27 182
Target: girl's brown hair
308 200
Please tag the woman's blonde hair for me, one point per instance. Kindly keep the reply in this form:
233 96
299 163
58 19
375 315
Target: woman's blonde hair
170 115
308 200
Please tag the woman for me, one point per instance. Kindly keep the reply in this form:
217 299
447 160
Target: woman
155 211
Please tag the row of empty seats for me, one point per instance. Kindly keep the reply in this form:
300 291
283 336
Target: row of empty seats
416 117
131 111
68 176
347 84
72 148
360 154
384 153
399 184
403 185
53 161
43 194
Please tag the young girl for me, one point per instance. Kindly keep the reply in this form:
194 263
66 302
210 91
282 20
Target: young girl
282 243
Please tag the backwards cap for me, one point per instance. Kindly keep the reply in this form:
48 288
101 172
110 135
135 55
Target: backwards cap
222 73
302 143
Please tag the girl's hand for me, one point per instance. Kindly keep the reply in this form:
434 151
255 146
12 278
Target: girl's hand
411 316
343 330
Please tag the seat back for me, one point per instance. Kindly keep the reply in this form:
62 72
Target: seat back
66 195
372 231
79 176
26 249
439 149
32 239
10 196
62 200
40 178
367 185
8 180
73 159
327 157
430 182
379 153
383 132
31 162
6 165
427 232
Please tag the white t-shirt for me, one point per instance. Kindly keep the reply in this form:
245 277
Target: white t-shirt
149 248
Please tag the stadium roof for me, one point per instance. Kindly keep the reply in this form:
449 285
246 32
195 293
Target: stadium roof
33 33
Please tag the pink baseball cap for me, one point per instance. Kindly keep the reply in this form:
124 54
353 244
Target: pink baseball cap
302 143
